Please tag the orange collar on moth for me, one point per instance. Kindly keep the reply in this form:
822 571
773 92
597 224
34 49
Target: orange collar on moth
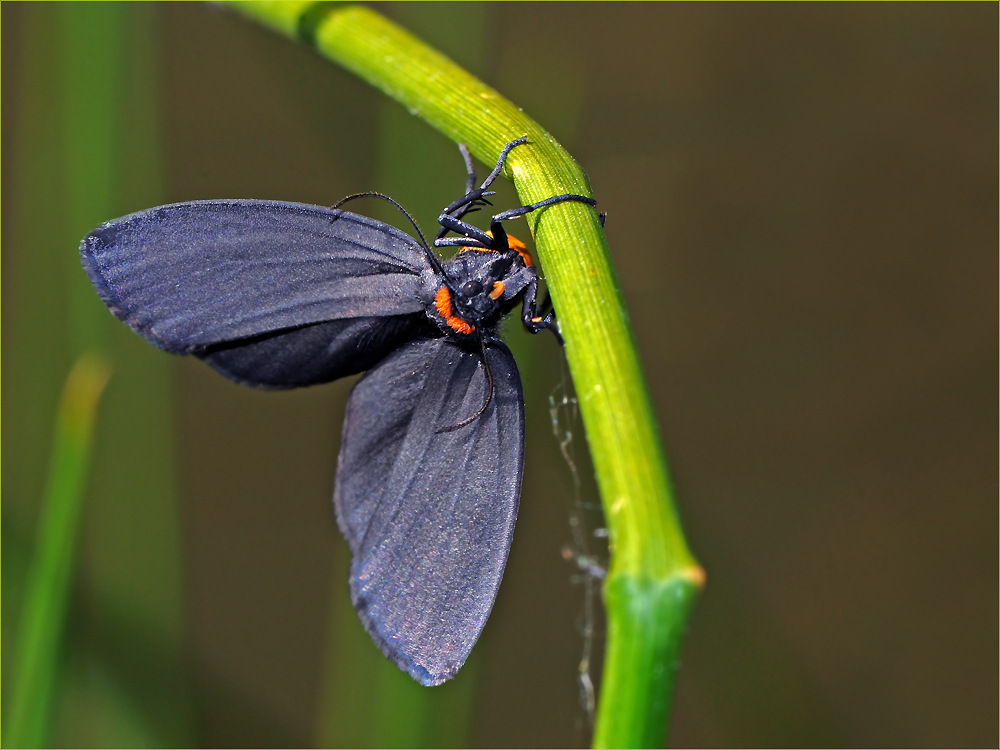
519 247
442 301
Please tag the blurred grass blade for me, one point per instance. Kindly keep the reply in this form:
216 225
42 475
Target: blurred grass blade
49 581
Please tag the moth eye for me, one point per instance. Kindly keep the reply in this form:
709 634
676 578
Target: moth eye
471 289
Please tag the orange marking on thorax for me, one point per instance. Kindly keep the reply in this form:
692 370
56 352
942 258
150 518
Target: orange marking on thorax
515 244
497 292
521 248
442 301
458 325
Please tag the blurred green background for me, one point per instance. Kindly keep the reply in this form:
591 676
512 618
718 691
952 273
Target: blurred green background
802 206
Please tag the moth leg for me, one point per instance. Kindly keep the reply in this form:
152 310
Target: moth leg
534 316
460 242
470 168
468 203
513 213
450 223
501 159
451 217
496 226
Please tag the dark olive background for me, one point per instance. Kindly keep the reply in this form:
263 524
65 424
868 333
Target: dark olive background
802 209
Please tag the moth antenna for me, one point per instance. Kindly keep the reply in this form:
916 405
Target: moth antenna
435 263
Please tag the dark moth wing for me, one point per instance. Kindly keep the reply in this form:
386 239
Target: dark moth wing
312 354
429 515
269 293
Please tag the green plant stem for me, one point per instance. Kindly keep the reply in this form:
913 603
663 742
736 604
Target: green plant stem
49 577
653 577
